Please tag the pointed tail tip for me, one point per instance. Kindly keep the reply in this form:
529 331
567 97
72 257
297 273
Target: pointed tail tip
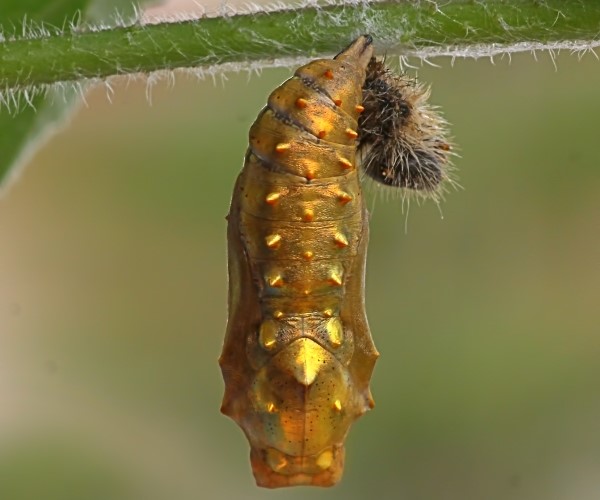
361 49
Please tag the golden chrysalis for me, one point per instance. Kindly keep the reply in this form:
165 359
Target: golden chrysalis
298 355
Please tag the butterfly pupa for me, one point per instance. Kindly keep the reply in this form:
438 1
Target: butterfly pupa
298 354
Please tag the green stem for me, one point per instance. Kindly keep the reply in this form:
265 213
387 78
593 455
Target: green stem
402 27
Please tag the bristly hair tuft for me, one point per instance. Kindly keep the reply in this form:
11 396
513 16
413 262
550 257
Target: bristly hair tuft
403 140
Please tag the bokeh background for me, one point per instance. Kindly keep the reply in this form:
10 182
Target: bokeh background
113 299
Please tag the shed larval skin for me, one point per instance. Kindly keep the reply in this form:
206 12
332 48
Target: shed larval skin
298 353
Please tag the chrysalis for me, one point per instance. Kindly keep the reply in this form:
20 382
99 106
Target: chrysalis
298 354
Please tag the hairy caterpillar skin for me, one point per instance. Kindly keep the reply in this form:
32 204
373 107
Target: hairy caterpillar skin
402 138
298 353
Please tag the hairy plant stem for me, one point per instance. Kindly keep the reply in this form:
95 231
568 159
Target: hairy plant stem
451 26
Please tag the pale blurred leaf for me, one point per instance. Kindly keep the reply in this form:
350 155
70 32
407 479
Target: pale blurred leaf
22 132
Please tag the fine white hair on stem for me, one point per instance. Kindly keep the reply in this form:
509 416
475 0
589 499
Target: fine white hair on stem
14 97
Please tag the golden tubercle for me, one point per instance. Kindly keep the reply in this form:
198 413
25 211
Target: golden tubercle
335 278
267 334
353 134
344 197
301 103
310 175
325 460
345 163
272 198
282 147
275 281
308 255
308 215
276 459
335 333
278 314
340 240
337 404
371 401
328 74
359 108
271 408
328 313
273 241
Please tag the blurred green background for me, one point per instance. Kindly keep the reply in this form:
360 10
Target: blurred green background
113 300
